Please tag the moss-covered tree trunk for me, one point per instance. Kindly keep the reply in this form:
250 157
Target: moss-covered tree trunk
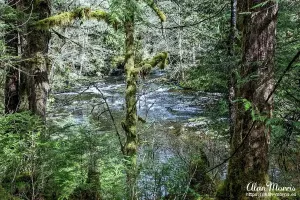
12 82
250 140
37 63
131 111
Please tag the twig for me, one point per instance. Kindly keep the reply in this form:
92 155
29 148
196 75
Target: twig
113 121
65 37
193 24
254 122
284 73
188 186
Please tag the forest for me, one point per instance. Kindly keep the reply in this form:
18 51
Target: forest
149 99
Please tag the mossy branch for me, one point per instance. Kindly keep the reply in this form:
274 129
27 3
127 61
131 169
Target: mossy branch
66 18
117 60
154 7
160 60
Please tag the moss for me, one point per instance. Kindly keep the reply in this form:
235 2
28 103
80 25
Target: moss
65 18
160 60
118 61
154 7
101 15
222 190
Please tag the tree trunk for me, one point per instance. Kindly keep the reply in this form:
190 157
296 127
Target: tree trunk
38 62
131 111
231 67
181 68
12 82
250 139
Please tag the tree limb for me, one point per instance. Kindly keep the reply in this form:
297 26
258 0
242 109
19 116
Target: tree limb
158 12
160 60
66 18
195 23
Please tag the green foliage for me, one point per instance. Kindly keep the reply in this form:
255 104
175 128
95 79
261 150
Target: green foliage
121 9
262 4
57 157
205 79
6 196
285 128
20 142
19 133
158 179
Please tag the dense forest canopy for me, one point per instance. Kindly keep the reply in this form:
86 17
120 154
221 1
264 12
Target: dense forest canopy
149 99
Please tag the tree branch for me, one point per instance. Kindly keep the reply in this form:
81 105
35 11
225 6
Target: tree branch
284 73
160 60
113 121
158 12
66 18
196 23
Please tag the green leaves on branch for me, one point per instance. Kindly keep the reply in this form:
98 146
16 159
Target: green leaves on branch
66 18
256 115
262 4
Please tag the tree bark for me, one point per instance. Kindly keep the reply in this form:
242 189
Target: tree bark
251 137
12 82
38 63
231 68
131 110
181 68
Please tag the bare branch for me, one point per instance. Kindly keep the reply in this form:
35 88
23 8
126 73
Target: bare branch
193 24
113 120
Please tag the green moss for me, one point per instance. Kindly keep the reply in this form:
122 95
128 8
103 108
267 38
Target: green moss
63 19
66 18
154 7
117 61
222 190
100 15
160 60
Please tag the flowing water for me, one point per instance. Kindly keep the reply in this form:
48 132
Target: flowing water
166 108
156 102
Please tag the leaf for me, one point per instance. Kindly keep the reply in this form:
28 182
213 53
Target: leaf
245 13
260 4
247 104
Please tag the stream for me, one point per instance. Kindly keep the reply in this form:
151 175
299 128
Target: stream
156 102
166 108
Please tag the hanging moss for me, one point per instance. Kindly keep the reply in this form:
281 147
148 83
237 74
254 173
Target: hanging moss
100 15
63 19
117 61
160 60
154 7
66 18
